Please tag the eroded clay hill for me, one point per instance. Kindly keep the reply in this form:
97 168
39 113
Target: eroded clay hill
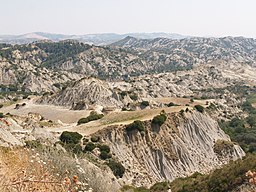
184 144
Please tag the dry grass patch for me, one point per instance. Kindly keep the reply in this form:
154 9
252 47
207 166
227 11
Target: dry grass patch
24 170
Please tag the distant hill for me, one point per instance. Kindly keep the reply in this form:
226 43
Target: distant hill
34 65
96 39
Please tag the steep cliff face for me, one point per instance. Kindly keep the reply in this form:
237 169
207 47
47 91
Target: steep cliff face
183 145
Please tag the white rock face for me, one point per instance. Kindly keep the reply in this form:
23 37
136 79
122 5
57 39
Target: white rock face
6 137
182 146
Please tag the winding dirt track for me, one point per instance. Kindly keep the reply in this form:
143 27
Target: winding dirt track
69 118
50 112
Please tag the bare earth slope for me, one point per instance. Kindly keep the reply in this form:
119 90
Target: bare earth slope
180 147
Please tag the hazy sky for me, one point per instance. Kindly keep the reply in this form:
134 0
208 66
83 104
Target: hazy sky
189 17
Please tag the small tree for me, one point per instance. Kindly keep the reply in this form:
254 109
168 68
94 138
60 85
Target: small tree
95 139
145 103
251 120
199 108
104 155
70 137
89 147
104 148
159 119
171 104
136 125
117 168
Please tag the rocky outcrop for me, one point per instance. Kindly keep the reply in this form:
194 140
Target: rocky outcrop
15 130
88 91
183 145
7 138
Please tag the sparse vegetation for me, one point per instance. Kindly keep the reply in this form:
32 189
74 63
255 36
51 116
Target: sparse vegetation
223 145
220 180
157 187
242 130
161 186
33 144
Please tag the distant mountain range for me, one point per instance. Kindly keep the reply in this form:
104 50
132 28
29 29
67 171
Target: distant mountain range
96 39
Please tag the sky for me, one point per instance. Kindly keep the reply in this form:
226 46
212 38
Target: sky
188 17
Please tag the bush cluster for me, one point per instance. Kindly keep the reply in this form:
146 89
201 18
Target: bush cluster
117 168
92 117
159 119
34 144
221 180
70 137
136 125
223 145
104 152
89 147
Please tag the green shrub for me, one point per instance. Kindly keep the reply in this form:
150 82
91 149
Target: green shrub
134 97
1 105
171 104
92 117
104 148
117 168
182 111
74 148
24 96
105 155
251 120
15 99
123 94
89 147
70 137
1 115
33 144
199 108
126 188
95 139
136 125
159 119
159 187
144 103
223 145
224 179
